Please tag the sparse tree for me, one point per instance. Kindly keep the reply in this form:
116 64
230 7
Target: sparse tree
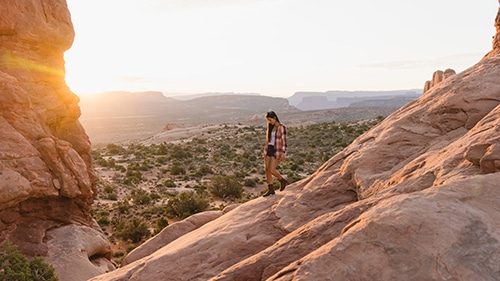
15 266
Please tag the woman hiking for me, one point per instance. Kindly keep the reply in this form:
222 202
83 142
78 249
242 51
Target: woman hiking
274 151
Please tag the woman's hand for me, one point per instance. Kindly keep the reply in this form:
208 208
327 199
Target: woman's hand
282 156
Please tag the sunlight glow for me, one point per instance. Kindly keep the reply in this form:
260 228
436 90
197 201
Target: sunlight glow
272 47
15 61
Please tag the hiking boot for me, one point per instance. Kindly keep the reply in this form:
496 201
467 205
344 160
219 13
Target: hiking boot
283 183
270 190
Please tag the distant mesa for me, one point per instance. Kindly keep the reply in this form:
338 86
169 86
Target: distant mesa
340 99
123 116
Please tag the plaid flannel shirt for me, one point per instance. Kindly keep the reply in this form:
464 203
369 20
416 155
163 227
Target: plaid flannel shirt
280 145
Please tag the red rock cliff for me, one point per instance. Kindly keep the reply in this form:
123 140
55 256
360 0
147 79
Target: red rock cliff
46 175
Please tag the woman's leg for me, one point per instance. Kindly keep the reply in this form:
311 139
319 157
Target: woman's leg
267 167
269 175
283 182
273 164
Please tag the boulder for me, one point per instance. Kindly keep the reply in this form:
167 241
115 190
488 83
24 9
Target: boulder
47 182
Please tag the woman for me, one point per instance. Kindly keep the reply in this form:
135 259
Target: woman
274 151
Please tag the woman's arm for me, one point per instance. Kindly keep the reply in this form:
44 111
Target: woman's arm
284 139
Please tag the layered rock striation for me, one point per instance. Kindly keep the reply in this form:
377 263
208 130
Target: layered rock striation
415 198
47 183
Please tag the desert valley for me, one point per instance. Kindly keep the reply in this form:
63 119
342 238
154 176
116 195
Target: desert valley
396 185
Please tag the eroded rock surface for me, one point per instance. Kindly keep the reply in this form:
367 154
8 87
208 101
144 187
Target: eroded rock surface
47 181
415 198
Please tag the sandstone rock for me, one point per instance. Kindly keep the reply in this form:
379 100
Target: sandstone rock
46 175
415 198
437 78
169 234
444 233
496 38
448 72
427 86
79 252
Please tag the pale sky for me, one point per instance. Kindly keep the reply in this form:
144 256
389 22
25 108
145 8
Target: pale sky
272 47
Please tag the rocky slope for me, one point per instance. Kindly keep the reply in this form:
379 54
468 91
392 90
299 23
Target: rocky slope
46 178
415 198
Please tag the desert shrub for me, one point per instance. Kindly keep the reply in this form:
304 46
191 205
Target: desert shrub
250 182
169 183
161 161
132 177
153 211
118 254
123 206
134 230
177 169
179 153
205 170
141 197
161 223
103 220
186 204
120 168
162 149
225 187
294 167
101 162
154 196
15 266
114 149
240 174
309 158
108 188
111 196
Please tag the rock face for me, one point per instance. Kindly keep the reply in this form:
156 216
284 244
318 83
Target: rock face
496 38
415 198
47 182
437 78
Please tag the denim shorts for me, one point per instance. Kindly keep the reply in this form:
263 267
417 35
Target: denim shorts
270 150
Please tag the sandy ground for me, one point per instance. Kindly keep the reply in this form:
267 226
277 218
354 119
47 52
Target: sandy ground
184 134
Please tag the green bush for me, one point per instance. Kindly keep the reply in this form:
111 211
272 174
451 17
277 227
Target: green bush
141 197
134 230
177 169
186 204
123 206
104 220
225 187
252 182
114 149
161 223
169 183
16 267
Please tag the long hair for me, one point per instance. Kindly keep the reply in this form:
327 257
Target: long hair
270 127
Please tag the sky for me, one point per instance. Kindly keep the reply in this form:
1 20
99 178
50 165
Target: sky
272 47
